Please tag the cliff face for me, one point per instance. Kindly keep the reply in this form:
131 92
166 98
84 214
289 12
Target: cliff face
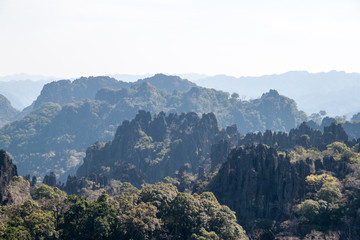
154 148
302 136
256 182
7 172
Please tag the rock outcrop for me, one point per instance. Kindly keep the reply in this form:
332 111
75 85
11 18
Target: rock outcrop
153 148
301 136
7 172
257 182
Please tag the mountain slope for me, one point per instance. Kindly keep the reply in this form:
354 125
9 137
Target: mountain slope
7 112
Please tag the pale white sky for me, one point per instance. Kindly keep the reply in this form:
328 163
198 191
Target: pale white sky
69 38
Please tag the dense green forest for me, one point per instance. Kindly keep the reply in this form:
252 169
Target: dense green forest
156 211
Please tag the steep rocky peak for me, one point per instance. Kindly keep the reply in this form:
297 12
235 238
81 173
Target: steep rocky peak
271 93
155 146
257 182
303 127
7 172
335 131
209 119
190 118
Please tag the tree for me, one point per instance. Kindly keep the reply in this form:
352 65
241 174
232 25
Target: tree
46 192
182 215
29 221
90 220
142 223
235 95
308 209
316 182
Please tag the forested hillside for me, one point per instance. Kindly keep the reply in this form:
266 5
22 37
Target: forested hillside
157 211
70 116
162 158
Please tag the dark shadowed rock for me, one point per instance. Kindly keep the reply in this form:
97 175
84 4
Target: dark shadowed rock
152 148
259 183
301 136
50 179
7 172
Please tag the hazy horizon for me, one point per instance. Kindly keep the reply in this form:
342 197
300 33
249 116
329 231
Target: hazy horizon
191 76
68 39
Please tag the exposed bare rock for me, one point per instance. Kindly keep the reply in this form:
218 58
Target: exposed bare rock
7 172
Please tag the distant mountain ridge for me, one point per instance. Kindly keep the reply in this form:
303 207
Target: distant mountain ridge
66 91
335 92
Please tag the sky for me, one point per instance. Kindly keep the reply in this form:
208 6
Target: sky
72 38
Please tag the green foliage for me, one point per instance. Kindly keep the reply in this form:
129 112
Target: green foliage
157 211
89 220
316 182
266 224
19 190
341 152
46 192
28 221
205 235
141 222
301 153
323 210
329 193
159 195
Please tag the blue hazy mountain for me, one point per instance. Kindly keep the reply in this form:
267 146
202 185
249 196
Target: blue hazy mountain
22 89
335 92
